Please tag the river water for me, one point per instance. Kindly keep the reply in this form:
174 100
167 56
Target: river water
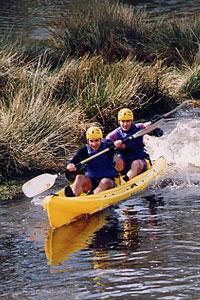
144 248
33 18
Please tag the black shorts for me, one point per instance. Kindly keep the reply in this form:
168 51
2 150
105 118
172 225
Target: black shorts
95 181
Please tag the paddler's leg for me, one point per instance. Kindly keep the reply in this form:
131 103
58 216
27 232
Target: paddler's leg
104 184
137 167
81 184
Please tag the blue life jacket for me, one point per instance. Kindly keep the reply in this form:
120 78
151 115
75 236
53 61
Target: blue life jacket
101 166
134 148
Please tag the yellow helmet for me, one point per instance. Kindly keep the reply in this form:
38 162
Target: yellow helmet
94 133
125 114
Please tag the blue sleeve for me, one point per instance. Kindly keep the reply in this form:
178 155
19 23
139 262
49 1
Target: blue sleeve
80 155
111 152
112 136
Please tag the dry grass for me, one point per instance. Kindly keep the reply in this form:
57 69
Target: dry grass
36 132
100 88
44 114
112 30
176 41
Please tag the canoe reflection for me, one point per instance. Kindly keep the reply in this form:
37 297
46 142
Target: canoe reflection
103 233
63 241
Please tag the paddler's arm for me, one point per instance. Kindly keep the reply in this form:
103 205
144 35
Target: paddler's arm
119 144
80 155
113 138
156 132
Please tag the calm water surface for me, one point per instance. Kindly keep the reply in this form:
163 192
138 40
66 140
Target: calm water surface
33 18
144 248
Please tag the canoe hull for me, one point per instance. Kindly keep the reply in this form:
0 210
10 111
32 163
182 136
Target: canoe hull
63 210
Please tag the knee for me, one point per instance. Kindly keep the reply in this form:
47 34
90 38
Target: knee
137 165
80 178
105 183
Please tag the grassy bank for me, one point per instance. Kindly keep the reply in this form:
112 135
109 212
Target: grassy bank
91 66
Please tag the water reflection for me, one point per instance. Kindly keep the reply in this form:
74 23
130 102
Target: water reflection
103 233
64 241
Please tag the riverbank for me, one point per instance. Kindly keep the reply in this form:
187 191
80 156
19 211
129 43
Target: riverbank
87 70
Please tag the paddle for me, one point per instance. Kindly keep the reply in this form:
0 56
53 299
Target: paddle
42 183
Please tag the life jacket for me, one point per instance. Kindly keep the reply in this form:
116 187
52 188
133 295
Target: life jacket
101 166
134 148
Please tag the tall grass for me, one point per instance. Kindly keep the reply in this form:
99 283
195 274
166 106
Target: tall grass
107 57
191 84
35 132
112 30
100 88
116 31
44 114
177 41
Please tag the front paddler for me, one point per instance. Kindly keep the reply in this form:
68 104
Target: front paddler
100 171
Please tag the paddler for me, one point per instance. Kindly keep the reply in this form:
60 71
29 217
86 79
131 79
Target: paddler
100 171
133 158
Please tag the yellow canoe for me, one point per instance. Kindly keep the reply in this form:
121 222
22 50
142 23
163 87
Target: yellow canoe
63 210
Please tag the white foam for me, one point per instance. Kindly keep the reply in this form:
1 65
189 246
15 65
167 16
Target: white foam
181 146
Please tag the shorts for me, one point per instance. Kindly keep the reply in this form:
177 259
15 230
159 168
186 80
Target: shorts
147 164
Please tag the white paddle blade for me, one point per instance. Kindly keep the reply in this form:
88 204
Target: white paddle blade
38 184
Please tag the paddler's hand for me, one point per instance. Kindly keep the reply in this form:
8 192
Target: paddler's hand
71 167
119 144
147 124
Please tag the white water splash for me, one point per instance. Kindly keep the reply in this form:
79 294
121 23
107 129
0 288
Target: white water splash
181 146
38 200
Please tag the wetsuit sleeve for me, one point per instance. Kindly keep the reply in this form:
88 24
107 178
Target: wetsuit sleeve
80 155
140 125
112 136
